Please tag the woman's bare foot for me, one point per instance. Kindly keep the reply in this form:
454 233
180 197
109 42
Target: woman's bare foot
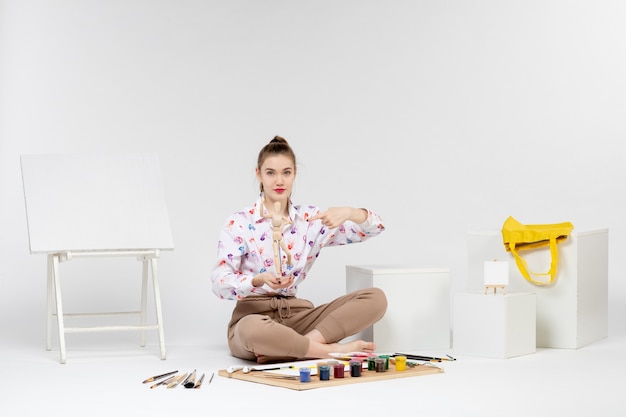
324 350
356 346
319 348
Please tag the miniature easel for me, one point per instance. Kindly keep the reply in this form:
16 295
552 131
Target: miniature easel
495 289
278 221
496 275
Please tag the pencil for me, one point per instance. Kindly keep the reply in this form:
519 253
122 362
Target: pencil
154 378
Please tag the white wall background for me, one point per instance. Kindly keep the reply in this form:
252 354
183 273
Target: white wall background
443 116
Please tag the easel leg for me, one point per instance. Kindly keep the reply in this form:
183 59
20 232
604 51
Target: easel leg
495 289
49 303
144 299
59 305
157 304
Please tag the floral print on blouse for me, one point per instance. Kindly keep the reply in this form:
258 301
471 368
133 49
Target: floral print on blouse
245 248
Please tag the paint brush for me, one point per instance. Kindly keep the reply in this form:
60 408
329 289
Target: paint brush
248 369
190 381
177 381
278 376
425 358
156 377
198 383
164 382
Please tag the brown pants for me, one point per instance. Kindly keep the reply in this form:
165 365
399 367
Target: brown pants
274 327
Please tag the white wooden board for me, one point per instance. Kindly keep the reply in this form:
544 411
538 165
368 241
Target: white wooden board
95 202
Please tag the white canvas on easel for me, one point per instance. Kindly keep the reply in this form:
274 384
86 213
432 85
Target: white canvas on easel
496 275
81 205
95 202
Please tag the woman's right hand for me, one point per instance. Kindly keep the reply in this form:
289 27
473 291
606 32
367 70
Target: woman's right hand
272 280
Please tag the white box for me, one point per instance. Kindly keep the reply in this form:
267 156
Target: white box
418 311
573 311
494 326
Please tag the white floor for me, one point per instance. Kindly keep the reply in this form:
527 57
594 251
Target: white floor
106 379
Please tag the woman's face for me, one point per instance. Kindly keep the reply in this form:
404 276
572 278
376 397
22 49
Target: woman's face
277 174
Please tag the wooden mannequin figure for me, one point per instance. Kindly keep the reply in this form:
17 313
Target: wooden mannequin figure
278 221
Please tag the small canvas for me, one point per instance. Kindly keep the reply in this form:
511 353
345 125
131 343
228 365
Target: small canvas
496 273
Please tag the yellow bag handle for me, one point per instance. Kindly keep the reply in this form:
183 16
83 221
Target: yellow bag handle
522 265
518 237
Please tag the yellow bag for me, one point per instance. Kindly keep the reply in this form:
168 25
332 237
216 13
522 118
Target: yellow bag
517 237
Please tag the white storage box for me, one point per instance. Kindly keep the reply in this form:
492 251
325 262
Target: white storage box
494 325
418 311
573 311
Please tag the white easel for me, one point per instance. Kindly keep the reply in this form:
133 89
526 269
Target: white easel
94 206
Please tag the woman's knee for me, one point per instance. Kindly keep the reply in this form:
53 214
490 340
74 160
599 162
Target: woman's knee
252 326
375 298
379 298
375 294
